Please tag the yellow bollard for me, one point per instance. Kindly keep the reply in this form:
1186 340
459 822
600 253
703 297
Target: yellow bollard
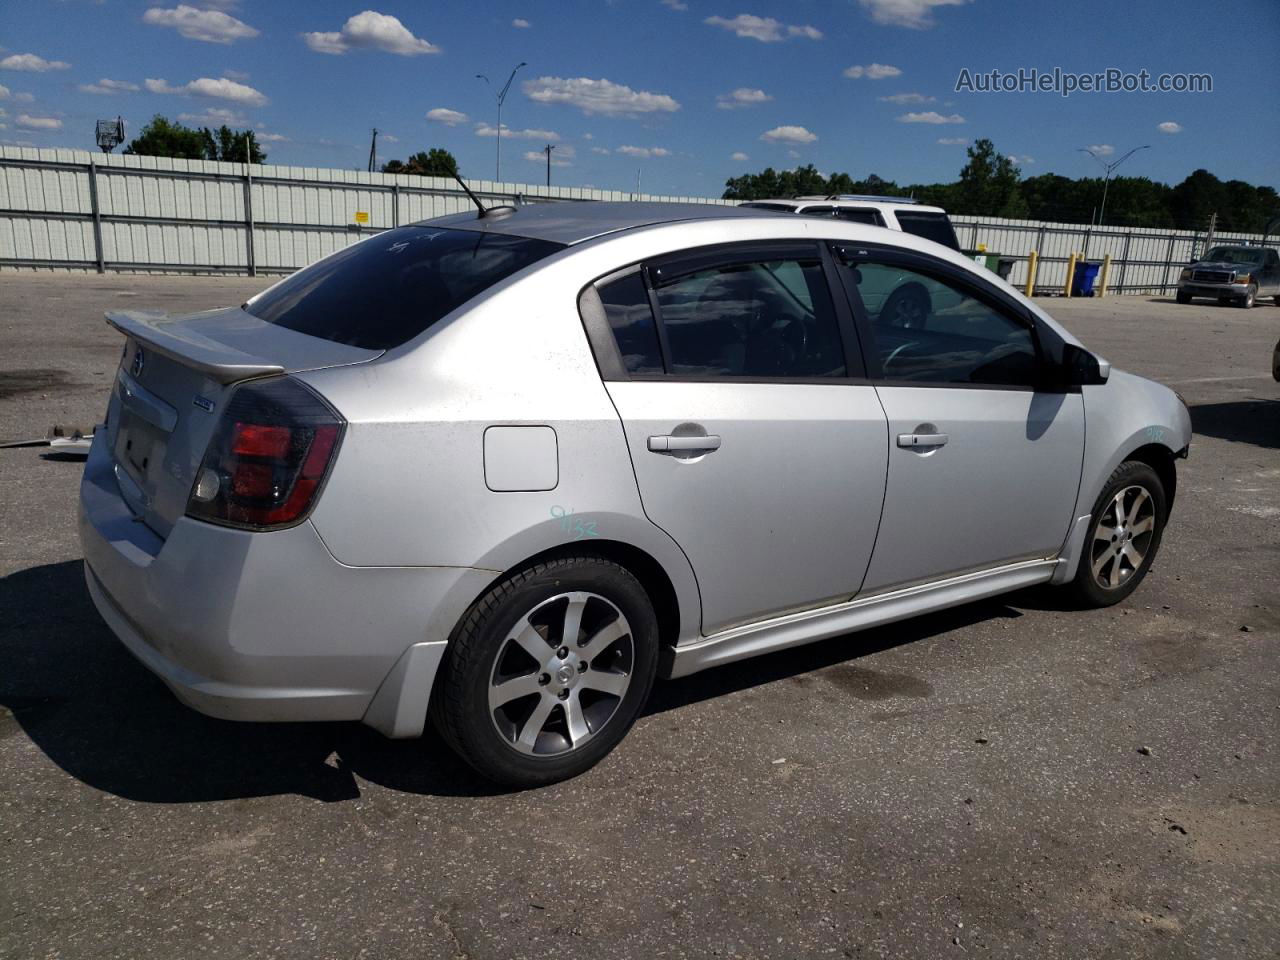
1106 275
1033 261
1071 269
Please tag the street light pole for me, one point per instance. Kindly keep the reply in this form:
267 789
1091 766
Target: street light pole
1109 168
547 150
500 96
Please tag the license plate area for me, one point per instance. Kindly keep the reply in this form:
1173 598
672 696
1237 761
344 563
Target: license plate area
139 448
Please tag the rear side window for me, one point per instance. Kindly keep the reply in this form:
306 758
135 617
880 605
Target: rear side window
860 215
932 226
626 305
384 291
761 319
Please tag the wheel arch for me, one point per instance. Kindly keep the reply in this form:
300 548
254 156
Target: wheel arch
1160 459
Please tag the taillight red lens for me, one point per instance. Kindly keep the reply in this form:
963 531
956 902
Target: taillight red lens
269 457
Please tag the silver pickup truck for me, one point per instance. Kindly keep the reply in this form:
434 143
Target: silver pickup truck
1234 274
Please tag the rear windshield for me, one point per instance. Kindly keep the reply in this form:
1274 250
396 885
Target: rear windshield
931 226
384 291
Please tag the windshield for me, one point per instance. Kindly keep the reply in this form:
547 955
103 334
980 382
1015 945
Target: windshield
1246 255
384 291
784 207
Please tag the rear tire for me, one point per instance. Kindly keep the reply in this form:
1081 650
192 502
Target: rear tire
548 671
1183 297
1123 538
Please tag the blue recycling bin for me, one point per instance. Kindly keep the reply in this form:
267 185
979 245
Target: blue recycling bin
1086 276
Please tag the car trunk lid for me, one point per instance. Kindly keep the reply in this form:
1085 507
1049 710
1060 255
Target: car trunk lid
174 379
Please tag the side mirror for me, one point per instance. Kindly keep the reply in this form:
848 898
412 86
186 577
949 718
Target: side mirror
1082 368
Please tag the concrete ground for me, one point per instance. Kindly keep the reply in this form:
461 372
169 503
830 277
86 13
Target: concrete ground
1008 779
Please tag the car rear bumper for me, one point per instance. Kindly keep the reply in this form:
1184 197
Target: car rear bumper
268 626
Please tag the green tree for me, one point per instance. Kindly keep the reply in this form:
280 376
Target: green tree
988 184
435 162
163 137
802 181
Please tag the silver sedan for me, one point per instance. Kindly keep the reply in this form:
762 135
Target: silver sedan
502 470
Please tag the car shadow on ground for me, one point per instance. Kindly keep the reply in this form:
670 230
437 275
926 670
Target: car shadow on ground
81 698
1255 421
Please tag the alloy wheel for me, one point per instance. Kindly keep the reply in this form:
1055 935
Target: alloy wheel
1122 536
561 674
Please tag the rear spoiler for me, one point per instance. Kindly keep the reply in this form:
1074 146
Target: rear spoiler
160 334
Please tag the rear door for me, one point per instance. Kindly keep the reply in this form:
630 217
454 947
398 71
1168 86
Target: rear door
757 444
984 461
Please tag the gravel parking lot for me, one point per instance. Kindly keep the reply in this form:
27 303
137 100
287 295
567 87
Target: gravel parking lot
1009 778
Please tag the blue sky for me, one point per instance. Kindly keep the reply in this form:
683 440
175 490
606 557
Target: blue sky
687 91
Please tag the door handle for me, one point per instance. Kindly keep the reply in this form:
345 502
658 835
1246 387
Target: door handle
664 443
918 440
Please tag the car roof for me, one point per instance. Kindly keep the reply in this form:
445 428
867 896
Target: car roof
575 221
904 205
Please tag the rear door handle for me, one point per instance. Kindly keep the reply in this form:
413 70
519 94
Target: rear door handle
669 442
922 439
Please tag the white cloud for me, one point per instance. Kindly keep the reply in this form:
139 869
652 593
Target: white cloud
371 31
214 117
902 99
1169 127
236 75
740 157
954 141
930 116
872 71
24 97
219 89
788 134
793 154
675 4
489 130
598 96
389 137
211 26
4 92
28 122
915 14
31 63
271 137
450 118
105 86
812 33
1102 149
520 23
603 151
742 97
764 29
561 156
644 153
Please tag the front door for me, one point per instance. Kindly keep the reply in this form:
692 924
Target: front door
984 465
753 447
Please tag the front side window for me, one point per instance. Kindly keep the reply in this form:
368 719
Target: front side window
760 319
927 330
387 289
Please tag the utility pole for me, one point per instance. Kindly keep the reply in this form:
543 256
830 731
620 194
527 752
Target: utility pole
547 150
1110 168
373 151
1213 225
500 96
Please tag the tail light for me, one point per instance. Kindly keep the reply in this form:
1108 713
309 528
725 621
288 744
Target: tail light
268 458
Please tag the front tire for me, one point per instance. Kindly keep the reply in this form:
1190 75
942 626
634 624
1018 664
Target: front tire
1250 297
1124 536
1183 297
548 671
908 307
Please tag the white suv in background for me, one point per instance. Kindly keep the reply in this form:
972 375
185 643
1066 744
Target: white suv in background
896 213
